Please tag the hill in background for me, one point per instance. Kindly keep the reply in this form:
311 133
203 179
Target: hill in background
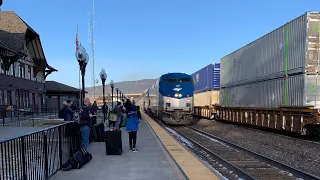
129 87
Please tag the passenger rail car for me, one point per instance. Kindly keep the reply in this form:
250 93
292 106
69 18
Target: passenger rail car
170 99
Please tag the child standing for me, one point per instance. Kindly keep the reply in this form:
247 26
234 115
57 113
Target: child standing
132 128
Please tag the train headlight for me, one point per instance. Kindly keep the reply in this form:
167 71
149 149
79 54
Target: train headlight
176 95
188 100
180 95
168 100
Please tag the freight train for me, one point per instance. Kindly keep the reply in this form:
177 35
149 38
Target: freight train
272 82
170 99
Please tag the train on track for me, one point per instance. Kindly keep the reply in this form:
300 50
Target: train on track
272 82
170 99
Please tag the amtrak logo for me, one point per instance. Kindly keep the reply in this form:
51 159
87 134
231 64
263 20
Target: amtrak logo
177 89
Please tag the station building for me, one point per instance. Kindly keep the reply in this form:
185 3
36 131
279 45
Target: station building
23 65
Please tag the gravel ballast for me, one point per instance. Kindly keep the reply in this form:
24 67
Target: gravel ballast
297 153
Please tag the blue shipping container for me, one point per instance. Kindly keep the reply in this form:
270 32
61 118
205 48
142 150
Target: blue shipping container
207 78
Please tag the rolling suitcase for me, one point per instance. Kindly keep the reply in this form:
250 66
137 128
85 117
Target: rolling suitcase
113 142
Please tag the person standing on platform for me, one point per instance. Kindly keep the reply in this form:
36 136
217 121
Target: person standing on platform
132 128
85 128
95 111
127 105
68 116
138 112
118 111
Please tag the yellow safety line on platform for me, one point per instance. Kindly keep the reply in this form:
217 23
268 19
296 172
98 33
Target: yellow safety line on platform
190 165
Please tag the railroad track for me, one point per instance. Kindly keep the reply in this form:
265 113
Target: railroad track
232 161
240 161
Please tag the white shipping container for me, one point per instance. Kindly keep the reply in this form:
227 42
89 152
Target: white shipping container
206 98
290 49
299 90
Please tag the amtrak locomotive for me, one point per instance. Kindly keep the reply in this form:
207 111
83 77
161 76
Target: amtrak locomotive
170 99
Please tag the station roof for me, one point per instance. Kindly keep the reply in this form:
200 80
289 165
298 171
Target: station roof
53 86
15 32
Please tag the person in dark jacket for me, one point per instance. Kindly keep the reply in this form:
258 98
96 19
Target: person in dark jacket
127 105
85 128
95 110
132 128
138 112
68 110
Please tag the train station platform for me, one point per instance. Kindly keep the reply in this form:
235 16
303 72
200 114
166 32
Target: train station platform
160 157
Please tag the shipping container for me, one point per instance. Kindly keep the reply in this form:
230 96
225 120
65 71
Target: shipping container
207 98
290 49
297 90
207 78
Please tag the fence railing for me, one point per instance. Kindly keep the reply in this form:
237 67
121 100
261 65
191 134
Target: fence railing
19 115
38 155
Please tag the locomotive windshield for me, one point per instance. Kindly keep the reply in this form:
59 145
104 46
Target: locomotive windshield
185 80
169 80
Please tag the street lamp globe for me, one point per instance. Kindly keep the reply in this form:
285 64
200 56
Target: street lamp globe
103 75
83 59
112 84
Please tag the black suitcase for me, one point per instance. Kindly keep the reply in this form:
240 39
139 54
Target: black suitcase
113 142
99 132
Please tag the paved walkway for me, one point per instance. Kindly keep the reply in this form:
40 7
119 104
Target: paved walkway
151 162
12 132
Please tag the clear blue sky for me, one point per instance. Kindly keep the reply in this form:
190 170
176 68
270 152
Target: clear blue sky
146 38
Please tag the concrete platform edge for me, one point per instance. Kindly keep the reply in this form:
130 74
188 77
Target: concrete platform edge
169 157
206 165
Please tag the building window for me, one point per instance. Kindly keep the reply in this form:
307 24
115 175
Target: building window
28 72
27 98
21 98
17 98
9 98
18 70
11 70
1 97
1 66
22 69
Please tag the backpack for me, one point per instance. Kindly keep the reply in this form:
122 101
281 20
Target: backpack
62 113
78 160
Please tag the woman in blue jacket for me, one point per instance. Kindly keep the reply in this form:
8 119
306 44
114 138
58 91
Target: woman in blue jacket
132 128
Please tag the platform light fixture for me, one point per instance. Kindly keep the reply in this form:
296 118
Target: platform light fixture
103 76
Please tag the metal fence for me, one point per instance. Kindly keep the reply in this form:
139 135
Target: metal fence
14 117
38 155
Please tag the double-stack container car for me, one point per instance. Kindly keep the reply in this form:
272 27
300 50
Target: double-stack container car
206 86
274 81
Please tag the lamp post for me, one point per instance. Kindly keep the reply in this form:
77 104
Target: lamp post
117 89
103 77
83 59
149 98
112 86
